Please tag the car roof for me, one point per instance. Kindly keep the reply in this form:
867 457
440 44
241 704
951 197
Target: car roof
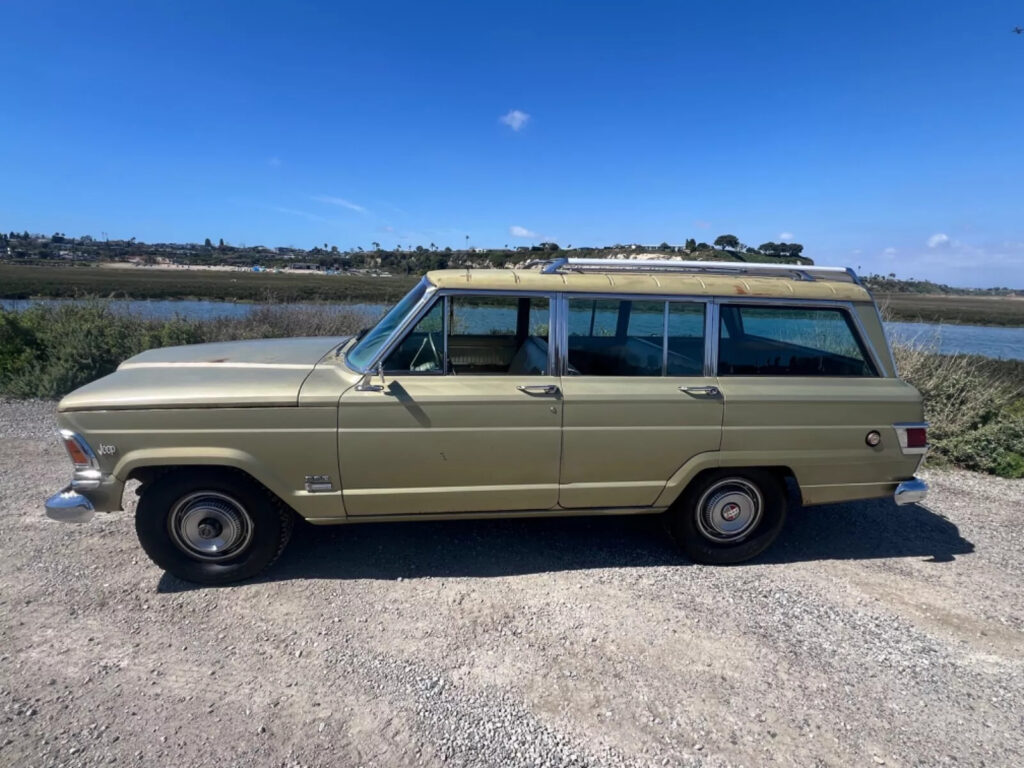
647 284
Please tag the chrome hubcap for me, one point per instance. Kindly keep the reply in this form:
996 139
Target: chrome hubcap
210 526
729 510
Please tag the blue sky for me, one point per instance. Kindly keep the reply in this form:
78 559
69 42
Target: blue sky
883 135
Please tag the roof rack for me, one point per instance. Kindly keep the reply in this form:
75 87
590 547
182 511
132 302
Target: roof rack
795 271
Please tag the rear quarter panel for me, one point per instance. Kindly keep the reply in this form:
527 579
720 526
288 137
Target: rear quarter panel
817 428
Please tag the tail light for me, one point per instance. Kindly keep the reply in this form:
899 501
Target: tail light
79 451
913 437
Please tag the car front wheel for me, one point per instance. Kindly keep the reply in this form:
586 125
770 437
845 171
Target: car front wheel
729 516
211 527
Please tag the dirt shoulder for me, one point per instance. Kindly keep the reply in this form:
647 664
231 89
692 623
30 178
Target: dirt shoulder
869 635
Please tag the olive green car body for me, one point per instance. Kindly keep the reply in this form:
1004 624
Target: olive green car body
341 445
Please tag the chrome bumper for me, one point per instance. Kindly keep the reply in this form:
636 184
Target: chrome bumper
910 491
69 506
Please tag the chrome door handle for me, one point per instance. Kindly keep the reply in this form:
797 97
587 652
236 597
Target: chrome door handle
538 389
709 391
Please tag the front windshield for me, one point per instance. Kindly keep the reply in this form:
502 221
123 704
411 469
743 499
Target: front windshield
363 352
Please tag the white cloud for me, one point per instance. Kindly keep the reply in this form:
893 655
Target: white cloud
515 119
274 162
937 240
295 212
890 251
784 236
341 203
517 231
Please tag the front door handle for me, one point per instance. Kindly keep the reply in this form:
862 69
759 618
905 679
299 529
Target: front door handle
538 389
709 391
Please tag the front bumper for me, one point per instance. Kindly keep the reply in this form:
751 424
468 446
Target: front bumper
69 506
910 491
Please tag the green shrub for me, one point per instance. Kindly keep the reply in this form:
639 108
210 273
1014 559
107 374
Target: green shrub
996 448
973 406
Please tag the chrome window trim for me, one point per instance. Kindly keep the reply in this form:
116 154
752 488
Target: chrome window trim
664 340
445 322
846 306
711 320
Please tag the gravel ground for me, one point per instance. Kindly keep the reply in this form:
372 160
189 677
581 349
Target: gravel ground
869 635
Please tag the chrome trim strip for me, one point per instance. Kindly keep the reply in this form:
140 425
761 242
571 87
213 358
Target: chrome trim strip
86 479
664 342
711 323
446 312
67 506
910 491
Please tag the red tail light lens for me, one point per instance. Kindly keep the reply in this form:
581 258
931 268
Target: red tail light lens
917 437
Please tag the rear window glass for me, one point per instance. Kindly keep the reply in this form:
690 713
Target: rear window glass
790 341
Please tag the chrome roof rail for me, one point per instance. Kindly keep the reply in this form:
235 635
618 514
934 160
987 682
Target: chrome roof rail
795 271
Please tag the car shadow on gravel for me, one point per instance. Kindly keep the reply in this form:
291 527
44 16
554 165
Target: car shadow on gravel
485 548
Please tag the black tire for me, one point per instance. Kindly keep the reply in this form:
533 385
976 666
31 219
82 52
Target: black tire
170 517
697 520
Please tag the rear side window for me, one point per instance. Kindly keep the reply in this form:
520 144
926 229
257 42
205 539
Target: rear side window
790 341
620 337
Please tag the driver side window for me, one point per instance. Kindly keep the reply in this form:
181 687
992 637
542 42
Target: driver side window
422 350
487 335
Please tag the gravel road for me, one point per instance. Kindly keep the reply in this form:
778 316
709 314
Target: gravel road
869 635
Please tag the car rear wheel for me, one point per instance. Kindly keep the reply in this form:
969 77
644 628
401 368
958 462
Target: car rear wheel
211 527
729 516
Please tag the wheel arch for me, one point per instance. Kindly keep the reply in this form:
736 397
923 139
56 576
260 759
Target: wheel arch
703 464
148 473
146 465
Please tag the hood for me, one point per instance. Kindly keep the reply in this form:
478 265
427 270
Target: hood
266 372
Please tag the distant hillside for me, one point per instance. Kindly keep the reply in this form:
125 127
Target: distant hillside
28 248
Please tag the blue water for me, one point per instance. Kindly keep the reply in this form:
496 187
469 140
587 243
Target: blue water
1006 343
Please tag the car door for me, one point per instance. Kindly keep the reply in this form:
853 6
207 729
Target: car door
469 417
638 399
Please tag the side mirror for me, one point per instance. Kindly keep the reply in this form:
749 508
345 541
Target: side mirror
366 383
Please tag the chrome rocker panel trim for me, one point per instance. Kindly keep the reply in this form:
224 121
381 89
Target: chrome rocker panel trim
910 491
69 506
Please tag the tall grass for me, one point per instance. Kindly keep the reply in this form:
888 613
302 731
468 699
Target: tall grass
47 351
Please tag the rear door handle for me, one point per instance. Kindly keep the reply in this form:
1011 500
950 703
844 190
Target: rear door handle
538 389
709 391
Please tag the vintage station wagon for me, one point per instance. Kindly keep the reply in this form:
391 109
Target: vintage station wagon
693 390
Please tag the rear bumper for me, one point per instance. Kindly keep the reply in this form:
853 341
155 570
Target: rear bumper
910 491
69 506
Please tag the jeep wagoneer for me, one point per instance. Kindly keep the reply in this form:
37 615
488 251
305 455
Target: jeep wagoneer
693 390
